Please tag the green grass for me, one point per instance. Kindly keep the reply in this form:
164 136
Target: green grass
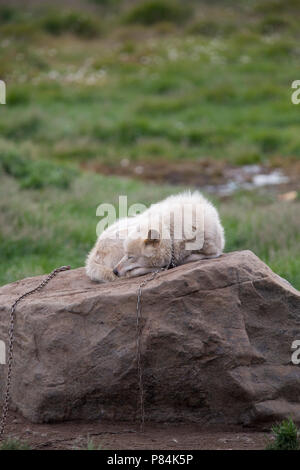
14 444
70 22
218 86
35 174
156 11
91 445
285 436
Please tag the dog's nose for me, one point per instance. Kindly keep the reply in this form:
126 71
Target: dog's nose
116 272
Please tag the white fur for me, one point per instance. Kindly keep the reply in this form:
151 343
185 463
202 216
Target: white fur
141 244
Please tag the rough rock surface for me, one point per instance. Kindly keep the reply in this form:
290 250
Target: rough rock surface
216 345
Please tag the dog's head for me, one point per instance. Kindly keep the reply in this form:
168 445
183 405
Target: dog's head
144 253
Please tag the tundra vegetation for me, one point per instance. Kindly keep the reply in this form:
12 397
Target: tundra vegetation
14 444
103 83
285 436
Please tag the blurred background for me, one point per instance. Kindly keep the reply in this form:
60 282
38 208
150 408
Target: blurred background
146 98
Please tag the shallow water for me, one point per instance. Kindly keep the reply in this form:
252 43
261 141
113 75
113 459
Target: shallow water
248 177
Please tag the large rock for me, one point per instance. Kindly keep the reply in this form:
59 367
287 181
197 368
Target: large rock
216 345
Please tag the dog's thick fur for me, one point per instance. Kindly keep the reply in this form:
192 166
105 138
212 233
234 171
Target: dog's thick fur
141 244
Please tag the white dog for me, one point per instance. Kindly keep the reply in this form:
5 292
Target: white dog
178 230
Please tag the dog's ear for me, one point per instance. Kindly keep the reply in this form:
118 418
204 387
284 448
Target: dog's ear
153 237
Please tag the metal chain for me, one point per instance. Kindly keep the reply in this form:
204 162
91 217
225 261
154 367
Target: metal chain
11 342
172 264
138 347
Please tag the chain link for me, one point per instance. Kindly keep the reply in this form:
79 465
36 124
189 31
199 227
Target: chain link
11 342
138 347
172 264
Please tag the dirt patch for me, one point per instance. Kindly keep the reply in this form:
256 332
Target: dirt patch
118 436
212 176
164 171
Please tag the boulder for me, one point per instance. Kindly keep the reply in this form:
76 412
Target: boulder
216 345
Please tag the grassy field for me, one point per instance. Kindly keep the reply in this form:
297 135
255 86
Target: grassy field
219 88
142 81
